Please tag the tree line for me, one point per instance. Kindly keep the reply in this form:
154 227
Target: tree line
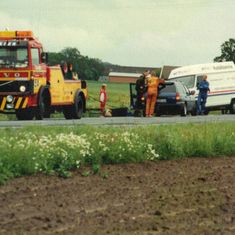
86 68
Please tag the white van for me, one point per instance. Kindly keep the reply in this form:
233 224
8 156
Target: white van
221 78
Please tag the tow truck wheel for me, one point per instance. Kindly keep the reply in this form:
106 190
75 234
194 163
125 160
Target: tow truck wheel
67 111
42 111
76 110
78 107
25 114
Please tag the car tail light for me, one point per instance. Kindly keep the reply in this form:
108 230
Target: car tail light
177 97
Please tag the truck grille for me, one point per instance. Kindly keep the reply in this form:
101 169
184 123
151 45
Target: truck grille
13 86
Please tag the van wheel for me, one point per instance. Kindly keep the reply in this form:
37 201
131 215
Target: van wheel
184 110
25 114
224 111
232 107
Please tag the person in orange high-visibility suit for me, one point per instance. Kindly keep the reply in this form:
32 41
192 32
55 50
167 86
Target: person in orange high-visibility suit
152 93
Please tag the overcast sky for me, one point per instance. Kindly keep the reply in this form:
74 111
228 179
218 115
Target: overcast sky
127 32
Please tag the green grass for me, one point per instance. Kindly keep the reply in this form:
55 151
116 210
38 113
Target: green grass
57 150
118 95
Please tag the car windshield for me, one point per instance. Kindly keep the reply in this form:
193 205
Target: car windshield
13 57
188 81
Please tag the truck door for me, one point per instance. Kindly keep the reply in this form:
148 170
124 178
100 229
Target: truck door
56 85
38 70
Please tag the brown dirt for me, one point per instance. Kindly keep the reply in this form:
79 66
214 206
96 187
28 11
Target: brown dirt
190 196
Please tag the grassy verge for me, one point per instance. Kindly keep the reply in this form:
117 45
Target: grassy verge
57 150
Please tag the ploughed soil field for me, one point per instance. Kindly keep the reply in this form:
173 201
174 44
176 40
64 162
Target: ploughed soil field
188 196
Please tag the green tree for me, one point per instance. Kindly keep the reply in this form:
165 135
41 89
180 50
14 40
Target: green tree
71 54
87 68
54 58
227 51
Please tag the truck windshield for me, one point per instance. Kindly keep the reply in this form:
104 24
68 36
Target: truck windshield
13 57
188 81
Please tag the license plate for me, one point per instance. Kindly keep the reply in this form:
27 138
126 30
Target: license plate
161 100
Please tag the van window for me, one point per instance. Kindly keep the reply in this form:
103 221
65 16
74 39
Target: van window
35 55
188 81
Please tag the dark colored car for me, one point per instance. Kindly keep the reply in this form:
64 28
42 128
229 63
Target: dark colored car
173 98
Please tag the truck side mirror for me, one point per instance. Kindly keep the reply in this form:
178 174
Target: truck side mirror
44 57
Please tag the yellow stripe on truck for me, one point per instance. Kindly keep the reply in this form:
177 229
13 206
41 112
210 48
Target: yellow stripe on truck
18 102
3 103
25 103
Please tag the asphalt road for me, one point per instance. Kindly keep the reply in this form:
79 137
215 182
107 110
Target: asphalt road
122 121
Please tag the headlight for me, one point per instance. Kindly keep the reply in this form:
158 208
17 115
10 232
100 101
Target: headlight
10 99
22 88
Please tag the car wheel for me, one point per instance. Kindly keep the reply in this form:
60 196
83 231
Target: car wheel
184 111
194 112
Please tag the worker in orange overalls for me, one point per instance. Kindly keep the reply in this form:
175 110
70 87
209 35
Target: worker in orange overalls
152 93
103 99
